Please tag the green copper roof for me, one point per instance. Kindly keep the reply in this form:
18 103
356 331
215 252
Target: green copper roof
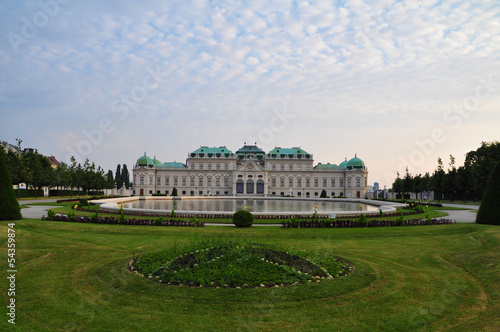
355 163
279 152
156 162
173 165
145 161
326 166
248 151
343 164
205 151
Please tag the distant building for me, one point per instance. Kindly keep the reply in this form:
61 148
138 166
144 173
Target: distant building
376 186
9 147
53 161
250 171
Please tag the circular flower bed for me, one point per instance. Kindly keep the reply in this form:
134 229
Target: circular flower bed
237 265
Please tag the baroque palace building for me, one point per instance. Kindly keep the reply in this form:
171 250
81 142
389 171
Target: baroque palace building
250 171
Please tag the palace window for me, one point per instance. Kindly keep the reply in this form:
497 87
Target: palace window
316 182
201 165
217 166
358 182
273 182
209 166
184 180
348 182
273 167
282 167
191 181
151 180
341 183
142 179
167 180
290 182
158 181
226 166
290 167
209 181
176 181
333 182
299 182
226 181
282 181
324 182
200 181
308 182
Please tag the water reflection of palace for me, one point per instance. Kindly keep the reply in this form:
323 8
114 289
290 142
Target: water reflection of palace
250 171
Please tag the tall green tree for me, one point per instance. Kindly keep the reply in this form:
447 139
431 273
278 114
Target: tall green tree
118 177
39 171
437 180
407 182
125 176
9 207
17 170
481 163
397 185
110 181
488 211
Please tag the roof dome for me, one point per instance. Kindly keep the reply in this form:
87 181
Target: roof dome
145 161
156 162
343 164
355 163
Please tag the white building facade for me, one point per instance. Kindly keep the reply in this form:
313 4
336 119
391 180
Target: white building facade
250 172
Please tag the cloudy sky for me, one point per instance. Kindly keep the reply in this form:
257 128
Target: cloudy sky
400 83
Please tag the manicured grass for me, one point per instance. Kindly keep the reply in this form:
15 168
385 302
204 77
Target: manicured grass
74 277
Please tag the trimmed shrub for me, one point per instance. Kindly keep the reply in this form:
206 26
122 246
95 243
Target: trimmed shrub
9 207
243 218
489 212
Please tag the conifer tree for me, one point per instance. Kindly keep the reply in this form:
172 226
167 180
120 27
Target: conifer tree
9 207
125 176
118 177
489 210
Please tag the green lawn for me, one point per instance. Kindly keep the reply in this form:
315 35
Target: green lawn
73 277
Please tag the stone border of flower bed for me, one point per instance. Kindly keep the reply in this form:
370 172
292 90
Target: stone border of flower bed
227 216
357 223
115 221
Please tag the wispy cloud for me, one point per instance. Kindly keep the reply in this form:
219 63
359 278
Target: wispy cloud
353 71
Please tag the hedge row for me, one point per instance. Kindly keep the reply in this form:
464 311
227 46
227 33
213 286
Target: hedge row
357 223
78 198
115 221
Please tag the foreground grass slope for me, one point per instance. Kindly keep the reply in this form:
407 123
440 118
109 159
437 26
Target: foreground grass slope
73 277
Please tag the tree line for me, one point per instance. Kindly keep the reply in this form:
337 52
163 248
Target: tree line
466 182
36 171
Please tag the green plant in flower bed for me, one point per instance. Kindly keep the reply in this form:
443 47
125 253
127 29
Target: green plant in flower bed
237 264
